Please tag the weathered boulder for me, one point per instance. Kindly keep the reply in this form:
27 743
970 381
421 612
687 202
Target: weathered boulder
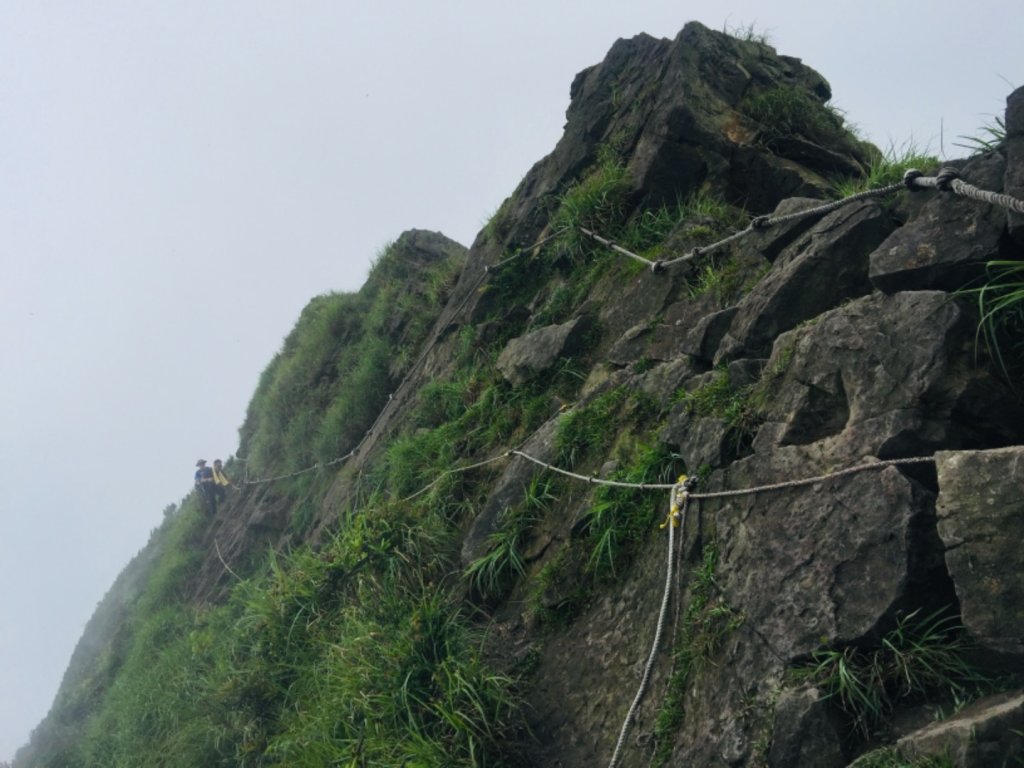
987 733
674 110
981 522
701 441
825 267
803 732
525 357
669 337
705 336
822 561
621 306
885 376
631 346
662 381
949 241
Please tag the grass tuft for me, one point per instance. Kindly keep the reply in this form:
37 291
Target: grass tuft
888 167
922 655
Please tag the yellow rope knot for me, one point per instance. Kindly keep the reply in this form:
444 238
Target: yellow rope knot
676 501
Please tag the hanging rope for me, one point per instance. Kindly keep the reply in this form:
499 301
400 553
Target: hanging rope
946 180
813 480
457 470
874 465
678 501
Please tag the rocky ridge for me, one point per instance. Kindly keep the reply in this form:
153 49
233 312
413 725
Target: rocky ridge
800 350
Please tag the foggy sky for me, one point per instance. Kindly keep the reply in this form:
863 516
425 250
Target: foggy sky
178 179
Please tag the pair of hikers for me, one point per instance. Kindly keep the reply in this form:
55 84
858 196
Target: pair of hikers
212 483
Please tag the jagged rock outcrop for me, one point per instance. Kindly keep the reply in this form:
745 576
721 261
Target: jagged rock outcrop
794 352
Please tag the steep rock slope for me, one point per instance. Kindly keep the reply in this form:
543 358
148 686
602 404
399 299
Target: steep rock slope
795 351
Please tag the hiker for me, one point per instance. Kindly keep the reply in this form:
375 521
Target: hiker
205 485
221 482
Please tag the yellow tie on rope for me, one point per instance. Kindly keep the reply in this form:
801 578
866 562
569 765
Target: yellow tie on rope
678 497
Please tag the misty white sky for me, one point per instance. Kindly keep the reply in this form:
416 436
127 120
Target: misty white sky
178 179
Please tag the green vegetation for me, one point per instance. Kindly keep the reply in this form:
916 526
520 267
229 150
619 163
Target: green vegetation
582 431
598 201
736 406
1001 308
920 656
354 654
618 519
748 33
493 574
325 387
707 622
728 281
888 167
989 137
788 111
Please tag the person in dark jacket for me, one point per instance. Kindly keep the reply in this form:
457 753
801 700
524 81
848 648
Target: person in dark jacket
205 486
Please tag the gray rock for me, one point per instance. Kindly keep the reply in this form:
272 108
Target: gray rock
981 522
631 346
948 242
704 338
531 355
822 269
662 381
986 734
803 733
699 441
884 376
825 561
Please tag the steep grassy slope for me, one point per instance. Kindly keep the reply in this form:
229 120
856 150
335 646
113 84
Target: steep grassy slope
393 587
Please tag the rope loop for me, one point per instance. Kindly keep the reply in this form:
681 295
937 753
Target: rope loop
657 266
945 177
910 176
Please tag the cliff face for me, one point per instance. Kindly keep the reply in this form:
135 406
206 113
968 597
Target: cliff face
806 625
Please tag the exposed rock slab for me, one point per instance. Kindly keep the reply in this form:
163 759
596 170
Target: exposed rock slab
803 732
826 561
981 522
988 733
884 376
819 271
948 242
534 353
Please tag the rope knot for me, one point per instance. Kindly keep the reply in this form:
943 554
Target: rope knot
677 501
945 177
910 176
760 222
